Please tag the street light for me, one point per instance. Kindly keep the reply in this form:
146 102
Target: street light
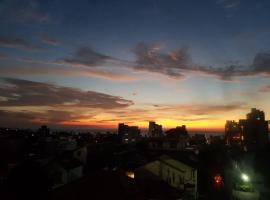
245 177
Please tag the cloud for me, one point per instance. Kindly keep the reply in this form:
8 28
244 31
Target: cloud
178 63
49 40
17 42
85 56
265 89
177 112
29 66
17 92
201 109
229 4
29 118
23 11
3 56
21 119
261 63
149 58
259 66
175 64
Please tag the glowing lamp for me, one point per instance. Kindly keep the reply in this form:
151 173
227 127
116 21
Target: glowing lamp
245 177
218 179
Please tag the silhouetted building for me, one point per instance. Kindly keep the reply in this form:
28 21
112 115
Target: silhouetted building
252 132
155 130
122 129
198 139
233 133
128 133
44 130
178 132
255 129
176 140
179 170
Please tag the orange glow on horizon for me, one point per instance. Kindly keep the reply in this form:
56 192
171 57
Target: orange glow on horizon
203 125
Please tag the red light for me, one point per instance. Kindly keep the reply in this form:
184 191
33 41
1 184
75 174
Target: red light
217 178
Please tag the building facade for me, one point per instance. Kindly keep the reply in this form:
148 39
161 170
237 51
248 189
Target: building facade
129 134
251 133
155 130
175 172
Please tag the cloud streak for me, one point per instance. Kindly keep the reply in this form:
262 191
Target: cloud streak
3 56
202 109
229 4
49 40
30 118
23 11
17 42
149 58
175 64
85 56
17 92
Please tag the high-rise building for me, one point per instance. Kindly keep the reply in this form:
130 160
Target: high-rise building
233 133
178 132
255 129
251 133
122 129
155 130
128 133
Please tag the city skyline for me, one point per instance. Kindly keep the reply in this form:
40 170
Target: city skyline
82 64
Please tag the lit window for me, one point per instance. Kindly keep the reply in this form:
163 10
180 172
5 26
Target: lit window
130 174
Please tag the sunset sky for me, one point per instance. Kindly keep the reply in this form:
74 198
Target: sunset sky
95 63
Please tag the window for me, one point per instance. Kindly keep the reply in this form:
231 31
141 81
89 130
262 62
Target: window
192 174
180 180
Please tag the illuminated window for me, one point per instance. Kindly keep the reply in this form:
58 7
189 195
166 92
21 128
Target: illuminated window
130 174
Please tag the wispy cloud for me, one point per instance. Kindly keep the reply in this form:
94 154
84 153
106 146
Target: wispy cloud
202 109
17 92
17 42
149 58
49 40
29 66
29 118
85 56
3 56
265 89
177 63
24 11
27 103
229 4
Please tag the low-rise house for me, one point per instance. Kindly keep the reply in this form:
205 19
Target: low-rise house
169 144
177 169
64 171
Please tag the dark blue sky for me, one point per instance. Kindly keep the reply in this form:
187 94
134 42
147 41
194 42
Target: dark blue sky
149 52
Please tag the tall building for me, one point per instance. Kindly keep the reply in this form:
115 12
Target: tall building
178 132
233 133
255 129
128 133
122 129
155 130
251 133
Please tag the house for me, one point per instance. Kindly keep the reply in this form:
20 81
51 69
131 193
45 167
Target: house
177 169
64 171
168 144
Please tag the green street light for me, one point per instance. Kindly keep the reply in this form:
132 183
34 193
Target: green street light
245 177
